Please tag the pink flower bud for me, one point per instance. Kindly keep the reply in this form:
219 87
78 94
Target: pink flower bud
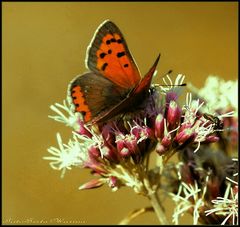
110 154
94 152
141 132
125 152
95 166
159 126
173 113
114 182
160 149
129 142
166 141
82 130
132 145
95 183
171 96
183 136
212 139
120 142
184 126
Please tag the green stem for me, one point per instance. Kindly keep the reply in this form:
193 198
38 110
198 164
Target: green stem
157 208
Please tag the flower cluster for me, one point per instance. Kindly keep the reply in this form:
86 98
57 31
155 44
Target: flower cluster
200 181
204 184
118 151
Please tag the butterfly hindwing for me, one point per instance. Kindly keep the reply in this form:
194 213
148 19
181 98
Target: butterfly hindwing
109 56
93 95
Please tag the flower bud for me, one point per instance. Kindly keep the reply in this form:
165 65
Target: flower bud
183 136
159 126
212 139
173 113
166 141
95 166
114 182
95 183
160 149
141 133
82 130
171 96
110 154
127 141
94 152
125 152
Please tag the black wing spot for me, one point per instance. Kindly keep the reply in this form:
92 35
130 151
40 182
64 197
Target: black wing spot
108 41
119 41
83 113
102 55
77 105
104 66
113 40
125 66
109 51
120 54
74 97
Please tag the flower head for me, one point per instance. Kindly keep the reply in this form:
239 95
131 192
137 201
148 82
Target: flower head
118 151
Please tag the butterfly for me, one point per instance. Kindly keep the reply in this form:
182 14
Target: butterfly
113 84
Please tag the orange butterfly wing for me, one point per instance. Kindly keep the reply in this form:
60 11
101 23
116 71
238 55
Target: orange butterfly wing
109 56
114 84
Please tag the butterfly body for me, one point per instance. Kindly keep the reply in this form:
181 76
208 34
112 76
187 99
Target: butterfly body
113 85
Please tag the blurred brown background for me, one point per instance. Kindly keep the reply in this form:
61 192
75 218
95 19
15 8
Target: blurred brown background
44 46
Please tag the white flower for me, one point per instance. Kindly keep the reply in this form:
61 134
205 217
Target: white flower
71 119
198 126
226 206
191 108
67 155
192 199
218 93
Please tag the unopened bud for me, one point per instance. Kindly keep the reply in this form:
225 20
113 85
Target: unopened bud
185 135
173 113
159 126
166 141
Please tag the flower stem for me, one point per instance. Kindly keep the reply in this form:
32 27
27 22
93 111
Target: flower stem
158 208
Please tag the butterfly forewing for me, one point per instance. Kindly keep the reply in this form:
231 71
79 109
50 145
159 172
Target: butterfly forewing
109 56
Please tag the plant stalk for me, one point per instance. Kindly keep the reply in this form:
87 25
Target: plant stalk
157 208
